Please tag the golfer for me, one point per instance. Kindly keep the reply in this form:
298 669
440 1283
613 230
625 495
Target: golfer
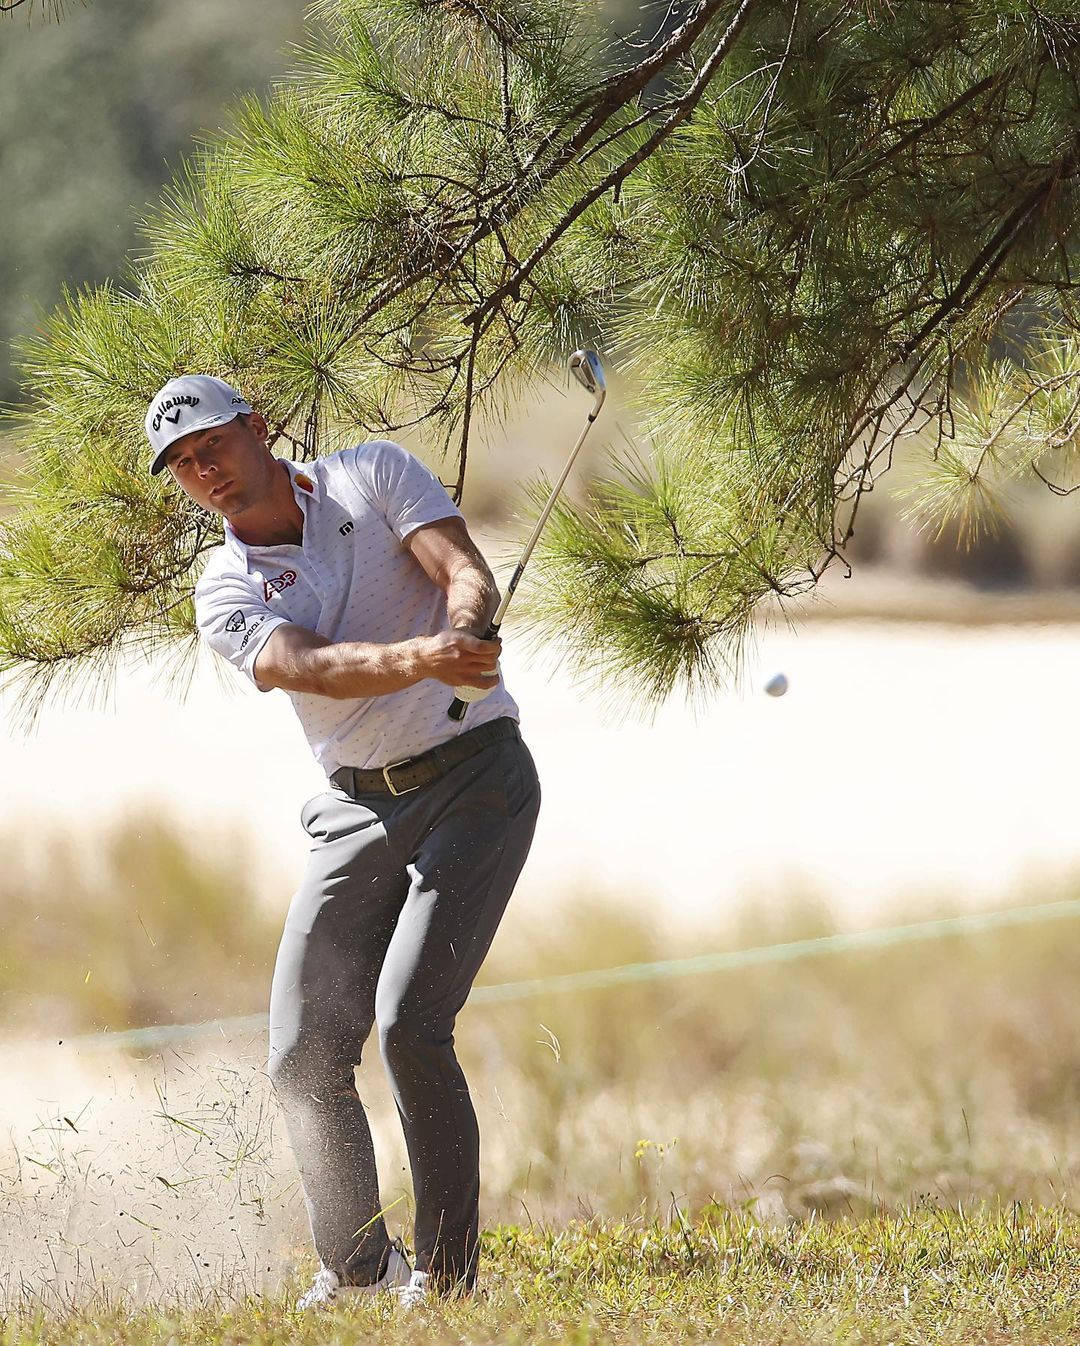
351 583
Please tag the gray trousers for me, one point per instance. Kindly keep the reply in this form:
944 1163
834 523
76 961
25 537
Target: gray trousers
397 909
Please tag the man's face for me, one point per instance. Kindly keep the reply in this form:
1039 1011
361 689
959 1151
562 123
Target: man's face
225 469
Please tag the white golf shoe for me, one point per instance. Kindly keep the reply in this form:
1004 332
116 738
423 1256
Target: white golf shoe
328 1288
417 1292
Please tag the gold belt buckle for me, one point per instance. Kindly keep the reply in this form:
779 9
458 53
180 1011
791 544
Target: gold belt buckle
390 783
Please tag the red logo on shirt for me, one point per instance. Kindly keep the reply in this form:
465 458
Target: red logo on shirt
278 583
304 482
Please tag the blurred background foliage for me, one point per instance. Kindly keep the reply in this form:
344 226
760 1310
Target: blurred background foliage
96 110
154 925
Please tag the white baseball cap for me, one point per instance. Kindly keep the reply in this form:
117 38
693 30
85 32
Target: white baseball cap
190 402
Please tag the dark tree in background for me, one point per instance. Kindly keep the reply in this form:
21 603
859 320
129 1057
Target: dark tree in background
93 110
810 236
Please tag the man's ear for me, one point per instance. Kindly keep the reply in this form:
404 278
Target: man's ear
258 425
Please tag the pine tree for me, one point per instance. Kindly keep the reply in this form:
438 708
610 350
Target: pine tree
809 236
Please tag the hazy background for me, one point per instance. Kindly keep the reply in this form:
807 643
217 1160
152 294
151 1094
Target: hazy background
923 761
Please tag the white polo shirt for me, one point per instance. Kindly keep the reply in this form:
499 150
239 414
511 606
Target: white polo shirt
350 579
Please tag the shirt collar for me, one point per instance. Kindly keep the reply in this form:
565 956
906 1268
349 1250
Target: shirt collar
305 483
305 488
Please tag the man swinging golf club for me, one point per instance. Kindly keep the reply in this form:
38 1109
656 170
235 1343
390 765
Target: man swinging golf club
352 583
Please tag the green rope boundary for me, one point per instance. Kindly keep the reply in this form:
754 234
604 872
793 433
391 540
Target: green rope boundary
160 1035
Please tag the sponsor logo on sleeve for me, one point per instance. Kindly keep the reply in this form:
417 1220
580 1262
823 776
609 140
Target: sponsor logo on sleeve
236 622
252 629
277 584
346 528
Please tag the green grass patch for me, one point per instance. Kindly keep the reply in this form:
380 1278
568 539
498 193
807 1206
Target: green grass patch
923 1275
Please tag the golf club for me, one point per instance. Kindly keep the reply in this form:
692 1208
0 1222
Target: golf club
589 372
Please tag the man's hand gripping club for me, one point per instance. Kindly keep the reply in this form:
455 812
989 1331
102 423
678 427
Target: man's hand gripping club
461 658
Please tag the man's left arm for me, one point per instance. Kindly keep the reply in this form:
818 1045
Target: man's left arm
453 561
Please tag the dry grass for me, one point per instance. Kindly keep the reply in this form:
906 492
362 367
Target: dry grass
156 927
831 1149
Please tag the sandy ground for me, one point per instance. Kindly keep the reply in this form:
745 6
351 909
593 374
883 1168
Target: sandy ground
904 759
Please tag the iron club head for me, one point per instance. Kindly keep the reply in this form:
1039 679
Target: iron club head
589 372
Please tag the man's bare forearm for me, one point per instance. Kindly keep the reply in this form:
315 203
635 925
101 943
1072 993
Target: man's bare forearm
456 565
471 598
298 660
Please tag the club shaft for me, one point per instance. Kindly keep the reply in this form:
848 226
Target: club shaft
457 706
519 569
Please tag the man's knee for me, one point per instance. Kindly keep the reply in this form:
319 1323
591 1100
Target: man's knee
309 1069
396 1031
404 1031
289 1070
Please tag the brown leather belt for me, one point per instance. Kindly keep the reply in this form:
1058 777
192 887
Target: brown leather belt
399 778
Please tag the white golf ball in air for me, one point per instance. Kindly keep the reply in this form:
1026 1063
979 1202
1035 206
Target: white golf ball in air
777 684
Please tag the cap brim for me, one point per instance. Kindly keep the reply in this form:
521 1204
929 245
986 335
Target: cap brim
208 424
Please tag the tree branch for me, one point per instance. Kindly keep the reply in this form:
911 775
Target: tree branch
607 98
977 276
685 106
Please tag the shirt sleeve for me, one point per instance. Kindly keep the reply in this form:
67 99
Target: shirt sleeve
407 493
235 621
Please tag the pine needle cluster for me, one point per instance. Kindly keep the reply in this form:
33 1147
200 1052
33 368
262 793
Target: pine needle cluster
30 10
803 234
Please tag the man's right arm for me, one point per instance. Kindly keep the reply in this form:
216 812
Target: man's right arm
299 660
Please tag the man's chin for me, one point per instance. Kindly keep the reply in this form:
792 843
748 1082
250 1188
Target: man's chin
230 504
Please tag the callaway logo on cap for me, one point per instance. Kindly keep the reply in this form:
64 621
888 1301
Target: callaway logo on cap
191 402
